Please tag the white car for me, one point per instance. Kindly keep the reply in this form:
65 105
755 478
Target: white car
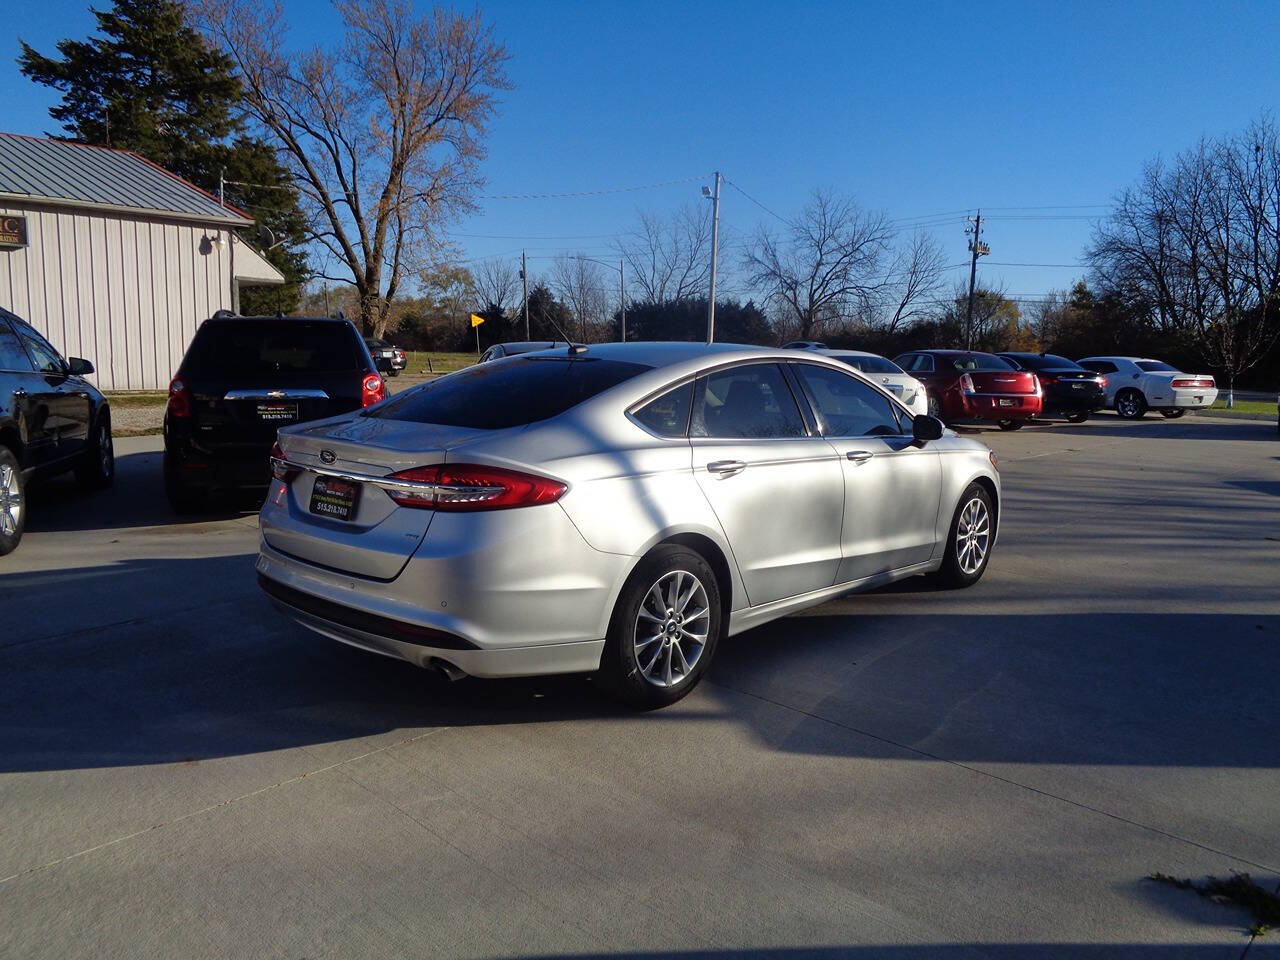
887 373
1138 384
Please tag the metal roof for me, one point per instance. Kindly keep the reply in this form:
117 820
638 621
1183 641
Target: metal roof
64 173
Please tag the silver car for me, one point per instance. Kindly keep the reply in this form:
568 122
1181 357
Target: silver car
618 509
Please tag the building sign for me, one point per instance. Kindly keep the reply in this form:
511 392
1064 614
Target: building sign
13 231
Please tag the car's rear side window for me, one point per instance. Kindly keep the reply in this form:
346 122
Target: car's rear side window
247 348
519 391
667 415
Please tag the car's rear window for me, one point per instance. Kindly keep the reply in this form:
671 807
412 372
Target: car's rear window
247 348
868 364
512 393
974 361
1156 366
1047 361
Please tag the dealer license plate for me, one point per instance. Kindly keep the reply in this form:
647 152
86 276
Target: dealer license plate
334 498
1005 403
277 412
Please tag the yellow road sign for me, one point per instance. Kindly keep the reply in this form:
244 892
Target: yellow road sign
476 321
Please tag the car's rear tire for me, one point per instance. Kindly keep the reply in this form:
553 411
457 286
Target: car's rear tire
1009 424
1173 413
1079 417
395 373
1131 404
13 502
969 539
181 497
97 468
664 630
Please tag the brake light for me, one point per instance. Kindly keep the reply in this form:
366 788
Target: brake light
280 469
1194 382
179 400
1035 385
460 487
1102 381
372 390
966 384
1045 381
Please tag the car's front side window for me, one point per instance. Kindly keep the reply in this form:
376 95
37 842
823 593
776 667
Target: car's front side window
749 402
845 406
46 359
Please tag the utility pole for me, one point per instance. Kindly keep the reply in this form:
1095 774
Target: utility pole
524 278
715 242
222 186
977 249
622 290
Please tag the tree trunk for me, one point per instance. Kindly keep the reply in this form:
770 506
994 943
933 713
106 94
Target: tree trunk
370 316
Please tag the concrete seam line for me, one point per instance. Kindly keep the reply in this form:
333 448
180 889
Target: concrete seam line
221 803
993 776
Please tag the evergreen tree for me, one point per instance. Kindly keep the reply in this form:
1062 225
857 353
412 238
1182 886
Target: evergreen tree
149 83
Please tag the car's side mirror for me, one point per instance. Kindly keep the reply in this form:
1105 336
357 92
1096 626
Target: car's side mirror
925 428
79 367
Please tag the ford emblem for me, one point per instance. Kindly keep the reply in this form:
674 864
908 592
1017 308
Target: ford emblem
327 456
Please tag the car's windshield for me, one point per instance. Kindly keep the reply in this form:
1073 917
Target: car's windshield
975 361
1156 366
511 393
868 363
246 348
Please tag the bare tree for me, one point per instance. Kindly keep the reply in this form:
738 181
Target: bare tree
1199 242
580 286
497 285
914 281
670 260
383 132
825 267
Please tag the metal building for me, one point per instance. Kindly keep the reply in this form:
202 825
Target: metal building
115 259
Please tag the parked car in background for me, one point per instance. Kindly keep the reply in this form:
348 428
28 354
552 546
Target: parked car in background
1138 384
617 509
804 345
888 374
242 379
500 350
968 385
51 420
387 358
1069 389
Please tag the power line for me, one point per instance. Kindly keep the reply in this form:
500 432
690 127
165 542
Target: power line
589 193
756 202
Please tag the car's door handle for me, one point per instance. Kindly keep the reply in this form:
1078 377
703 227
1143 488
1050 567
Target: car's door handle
859 456
726 468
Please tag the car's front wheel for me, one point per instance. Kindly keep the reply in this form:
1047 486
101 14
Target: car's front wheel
664 629
97 468
1172 413
1131 404
970 538
13 503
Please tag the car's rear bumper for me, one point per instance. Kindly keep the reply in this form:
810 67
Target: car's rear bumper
989 406
1191 399
242 467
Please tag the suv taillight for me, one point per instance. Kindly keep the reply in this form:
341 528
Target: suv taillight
372 390
179 400
459 487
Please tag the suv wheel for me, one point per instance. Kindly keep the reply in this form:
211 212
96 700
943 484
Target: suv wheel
13 503
97 469
664 630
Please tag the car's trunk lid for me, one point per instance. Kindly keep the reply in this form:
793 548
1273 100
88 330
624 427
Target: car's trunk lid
1003 381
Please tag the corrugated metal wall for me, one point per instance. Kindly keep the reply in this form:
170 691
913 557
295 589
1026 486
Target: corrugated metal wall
124 293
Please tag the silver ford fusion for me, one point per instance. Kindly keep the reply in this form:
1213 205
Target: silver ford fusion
619 509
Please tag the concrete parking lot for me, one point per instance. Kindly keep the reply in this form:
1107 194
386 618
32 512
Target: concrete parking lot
909 773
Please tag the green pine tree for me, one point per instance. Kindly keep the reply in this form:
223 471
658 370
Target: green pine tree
148 82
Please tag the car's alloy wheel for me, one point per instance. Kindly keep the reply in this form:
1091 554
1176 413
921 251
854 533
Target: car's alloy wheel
935 408
1172 413
664 630
671 628
1131 404
13 507
969 539
97 469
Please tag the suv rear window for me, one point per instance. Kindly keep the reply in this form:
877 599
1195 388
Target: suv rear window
248 348
522 390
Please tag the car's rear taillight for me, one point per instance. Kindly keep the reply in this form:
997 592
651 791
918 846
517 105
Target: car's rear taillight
966 384
1193 382
280 466
1102 382
372 390
459 487
179 399
1046 381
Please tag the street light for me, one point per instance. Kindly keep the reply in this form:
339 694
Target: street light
622 286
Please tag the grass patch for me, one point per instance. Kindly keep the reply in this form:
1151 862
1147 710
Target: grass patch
1238 889
417 361
122 401
1244 406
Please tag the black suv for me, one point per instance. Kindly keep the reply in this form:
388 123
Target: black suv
241 380
51 420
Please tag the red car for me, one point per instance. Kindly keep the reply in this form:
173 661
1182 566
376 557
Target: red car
966 385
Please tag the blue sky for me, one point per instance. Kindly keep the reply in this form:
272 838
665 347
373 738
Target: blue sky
914 109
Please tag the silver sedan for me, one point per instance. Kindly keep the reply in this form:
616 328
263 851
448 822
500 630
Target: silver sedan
619 509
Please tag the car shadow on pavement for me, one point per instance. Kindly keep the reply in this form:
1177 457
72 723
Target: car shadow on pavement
135 500
1187 428
924 951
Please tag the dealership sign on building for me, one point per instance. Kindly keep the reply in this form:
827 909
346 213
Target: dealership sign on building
13 232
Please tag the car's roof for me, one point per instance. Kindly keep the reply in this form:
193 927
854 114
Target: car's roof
666 353
951 353
833 352
1111 356
236 318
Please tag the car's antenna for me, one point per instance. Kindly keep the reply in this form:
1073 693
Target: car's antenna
563 336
